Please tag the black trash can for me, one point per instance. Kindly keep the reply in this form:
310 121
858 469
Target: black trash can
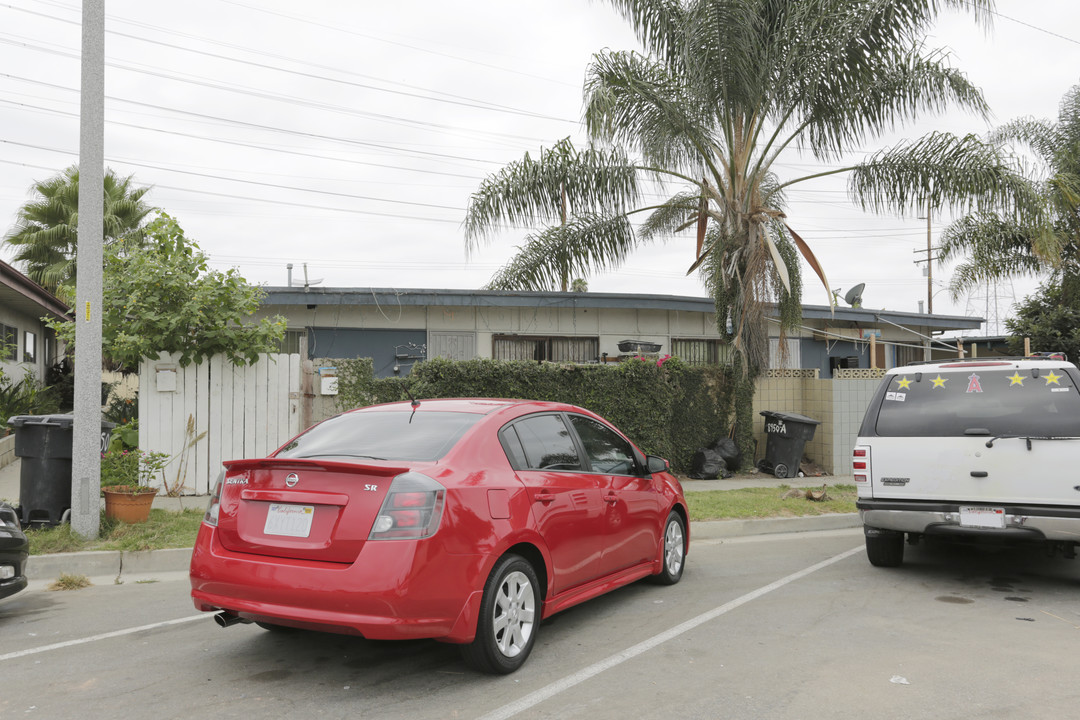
43 442
785 437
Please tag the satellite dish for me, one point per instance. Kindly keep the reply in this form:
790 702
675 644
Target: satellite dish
853 297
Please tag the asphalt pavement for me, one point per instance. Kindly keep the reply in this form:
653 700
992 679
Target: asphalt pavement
134 565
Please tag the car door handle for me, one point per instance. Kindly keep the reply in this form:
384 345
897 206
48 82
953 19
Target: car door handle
544 497
611 498
979 473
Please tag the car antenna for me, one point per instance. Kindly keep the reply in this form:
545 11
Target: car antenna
415 403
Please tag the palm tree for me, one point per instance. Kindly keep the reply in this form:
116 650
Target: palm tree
995 247
721 91
46 227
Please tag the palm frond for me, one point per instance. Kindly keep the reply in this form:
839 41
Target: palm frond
943 170
671 217
995 248
528 191
551 258
637 103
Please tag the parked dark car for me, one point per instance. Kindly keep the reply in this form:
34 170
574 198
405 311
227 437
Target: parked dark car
14 549
467 521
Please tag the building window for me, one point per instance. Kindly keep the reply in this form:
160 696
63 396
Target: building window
290 343
29 347
785 357
9 342
701 351
553 349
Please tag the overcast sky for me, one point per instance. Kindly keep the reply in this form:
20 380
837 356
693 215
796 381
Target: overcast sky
349 136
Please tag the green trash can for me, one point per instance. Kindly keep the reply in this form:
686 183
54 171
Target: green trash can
786 434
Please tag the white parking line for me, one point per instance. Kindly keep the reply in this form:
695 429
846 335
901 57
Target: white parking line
102 636
535 698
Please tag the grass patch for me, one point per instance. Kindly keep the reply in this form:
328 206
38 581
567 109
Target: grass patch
67 581
766 503
164 529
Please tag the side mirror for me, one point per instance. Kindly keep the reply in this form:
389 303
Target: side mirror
657 464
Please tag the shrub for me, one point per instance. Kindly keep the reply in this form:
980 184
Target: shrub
121 410
24 397
669 409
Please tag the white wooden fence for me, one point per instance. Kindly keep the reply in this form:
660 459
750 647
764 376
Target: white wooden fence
245 411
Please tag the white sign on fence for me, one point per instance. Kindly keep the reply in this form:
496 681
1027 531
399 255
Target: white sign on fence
241 411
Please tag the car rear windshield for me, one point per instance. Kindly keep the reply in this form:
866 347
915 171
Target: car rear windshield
1037 402
421 436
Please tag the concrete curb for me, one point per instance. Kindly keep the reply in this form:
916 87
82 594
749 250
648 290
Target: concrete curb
714 529
107 563
117 564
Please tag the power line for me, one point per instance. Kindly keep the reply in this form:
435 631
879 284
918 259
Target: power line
457 100
253 146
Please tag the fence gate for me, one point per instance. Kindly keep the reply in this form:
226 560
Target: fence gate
245 411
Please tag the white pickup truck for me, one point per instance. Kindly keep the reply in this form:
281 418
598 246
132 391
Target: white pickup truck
987 450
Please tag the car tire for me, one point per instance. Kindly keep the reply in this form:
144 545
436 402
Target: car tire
673 543
509 618
884 548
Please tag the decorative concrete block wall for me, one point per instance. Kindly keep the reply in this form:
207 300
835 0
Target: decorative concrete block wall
838 404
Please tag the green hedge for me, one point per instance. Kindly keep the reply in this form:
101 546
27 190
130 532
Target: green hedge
669 410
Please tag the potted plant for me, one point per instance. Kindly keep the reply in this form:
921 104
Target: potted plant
125 483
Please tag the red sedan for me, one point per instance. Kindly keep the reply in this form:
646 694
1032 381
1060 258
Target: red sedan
467 521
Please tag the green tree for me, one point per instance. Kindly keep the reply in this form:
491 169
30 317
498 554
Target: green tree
161 296
722 89
45 233
1050 318
996 246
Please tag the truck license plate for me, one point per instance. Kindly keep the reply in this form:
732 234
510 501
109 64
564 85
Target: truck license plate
290 520
982 517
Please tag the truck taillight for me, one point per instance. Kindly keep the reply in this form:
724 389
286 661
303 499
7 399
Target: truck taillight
860 464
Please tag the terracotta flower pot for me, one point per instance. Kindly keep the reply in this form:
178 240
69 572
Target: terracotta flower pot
125 506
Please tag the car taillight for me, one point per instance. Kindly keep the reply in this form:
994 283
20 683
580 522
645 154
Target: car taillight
860 464
212 508
413 509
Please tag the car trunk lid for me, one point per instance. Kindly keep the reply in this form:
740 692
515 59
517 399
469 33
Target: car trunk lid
302 509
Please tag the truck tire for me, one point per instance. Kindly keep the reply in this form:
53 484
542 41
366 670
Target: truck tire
884 548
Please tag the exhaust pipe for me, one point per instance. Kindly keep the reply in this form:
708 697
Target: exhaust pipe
228 619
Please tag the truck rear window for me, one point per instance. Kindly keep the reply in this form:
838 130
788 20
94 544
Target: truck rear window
1002 401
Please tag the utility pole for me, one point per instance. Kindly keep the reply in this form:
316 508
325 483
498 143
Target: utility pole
86 442
929 262
929 265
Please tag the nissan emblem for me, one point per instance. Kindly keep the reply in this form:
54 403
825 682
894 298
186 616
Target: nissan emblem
291 479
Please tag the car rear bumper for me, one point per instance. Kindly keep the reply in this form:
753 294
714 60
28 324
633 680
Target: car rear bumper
1022 522
13 553
395 590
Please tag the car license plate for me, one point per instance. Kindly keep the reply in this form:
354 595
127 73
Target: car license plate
983 517
290 520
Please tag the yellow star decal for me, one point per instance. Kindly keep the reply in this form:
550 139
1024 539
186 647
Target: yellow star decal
939 382
1052 379
903 383
1016 379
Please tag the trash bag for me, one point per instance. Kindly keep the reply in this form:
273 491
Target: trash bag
707 464
729 450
